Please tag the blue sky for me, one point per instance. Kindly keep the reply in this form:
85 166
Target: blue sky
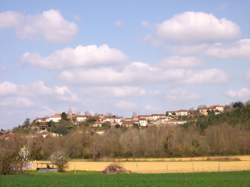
121 56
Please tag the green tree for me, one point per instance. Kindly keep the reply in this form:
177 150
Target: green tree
64 116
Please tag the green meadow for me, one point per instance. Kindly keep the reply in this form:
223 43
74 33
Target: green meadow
82 179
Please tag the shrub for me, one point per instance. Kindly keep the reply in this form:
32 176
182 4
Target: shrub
59 159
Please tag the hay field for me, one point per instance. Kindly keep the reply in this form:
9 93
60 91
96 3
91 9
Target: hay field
162 165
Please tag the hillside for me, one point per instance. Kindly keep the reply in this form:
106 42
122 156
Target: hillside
237 114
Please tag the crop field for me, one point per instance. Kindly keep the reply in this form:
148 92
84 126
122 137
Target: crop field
162 165
93 179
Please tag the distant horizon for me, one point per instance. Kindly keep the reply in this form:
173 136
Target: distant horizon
121 56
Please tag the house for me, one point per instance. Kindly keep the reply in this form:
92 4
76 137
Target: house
113 120
41 120
128 122
81 118
55 118
203 111
170 113
217 109
98 123
143 122
181 113
155 117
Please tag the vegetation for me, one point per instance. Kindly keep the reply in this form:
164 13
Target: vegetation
236 114
12 156
203 136
59 159
230 179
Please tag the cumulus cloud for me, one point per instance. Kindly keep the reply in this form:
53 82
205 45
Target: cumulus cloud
207 76
243 93
38 88
181 95
7 88
49 25
116 91
142 73
125 105
134 73
195 27
16 102
180 62
237 50
89 55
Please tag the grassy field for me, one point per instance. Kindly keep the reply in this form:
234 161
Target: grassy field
226 179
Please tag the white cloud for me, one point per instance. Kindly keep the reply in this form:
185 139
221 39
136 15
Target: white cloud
181 95
17 102
140 73
37 89
207 76
195 27
180 62
240 94
89 55
10 19
125 105
238 50
119 23
49 25
7 88
134 73
118 91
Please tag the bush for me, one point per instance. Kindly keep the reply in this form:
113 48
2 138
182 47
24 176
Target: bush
59 159
114 169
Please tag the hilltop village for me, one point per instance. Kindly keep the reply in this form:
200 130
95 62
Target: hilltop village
178 117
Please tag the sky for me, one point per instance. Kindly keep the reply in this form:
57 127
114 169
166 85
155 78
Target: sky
121 57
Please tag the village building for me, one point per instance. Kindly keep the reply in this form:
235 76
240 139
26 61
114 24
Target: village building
155 117
217 109
128 122
55 118
81 118
182 113
142 122
203 111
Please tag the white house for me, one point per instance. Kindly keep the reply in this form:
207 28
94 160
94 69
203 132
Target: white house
217 108
155 117
81 118
55 118
143 122
182 113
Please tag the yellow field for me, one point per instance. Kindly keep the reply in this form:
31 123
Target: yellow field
162 165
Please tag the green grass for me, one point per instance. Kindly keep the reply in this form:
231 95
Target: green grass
229 179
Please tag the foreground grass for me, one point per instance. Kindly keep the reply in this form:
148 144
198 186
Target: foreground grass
227 179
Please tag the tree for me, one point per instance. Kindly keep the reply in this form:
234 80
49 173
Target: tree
59 159
238 105
10 161
26 123
23 156
64 116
